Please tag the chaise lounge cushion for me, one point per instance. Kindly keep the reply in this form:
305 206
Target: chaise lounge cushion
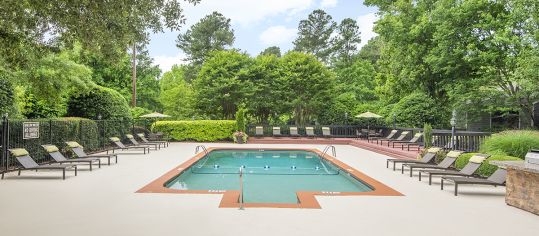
73 144
114 139
51 148
18 152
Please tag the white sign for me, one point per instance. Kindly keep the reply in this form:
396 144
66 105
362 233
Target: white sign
30 130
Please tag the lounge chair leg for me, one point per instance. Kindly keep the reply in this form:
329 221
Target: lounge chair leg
2 175
116 159
75 170
99 163
419 174
91 165
456 189
109 161
442 184
430 179
64 174
19 174
394 166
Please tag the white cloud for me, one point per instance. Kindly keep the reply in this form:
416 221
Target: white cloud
277 35
328 3
246 12
366 24
165 63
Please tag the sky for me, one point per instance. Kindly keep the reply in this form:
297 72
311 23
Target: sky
259 24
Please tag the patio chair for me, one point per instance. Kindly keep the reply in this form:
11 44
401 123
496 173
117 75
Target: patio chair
294 132
146 141
473 164
79 152
362 133
120 146
326 132
58 157
400 138
446 163
496 179
427 158
277 131
414 141
374 134
28 163
310 132
259 131
134 142
389 136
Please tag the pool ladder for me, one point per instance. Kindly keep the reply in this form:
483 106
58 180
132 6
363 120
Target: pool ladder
241 189
327 148
201 147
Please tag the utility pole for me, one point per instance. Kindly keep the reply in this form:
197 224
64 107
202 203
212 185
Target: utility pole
134 77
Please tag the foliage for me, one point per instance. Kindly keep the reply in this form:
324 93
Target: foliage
136 112
266 100
198 130
35 108
211 33
512 142
417 109
346 42
308 85
485 169
372 50
223 84
99 101
240 120
314 35
427 135
177 96
7 96
239 134
273 50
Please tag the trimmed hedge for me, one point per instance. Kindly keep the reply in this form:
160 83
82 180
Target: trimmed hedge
198 130
512 142
106 102
486 169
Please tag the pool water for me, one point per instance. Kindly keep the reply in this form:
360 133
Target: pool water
269 176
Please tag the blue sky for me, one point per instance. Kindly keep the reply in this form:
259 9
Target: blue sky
260 24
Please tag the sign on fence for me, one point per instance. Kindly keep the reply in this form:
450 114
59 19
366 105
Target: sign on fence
30 130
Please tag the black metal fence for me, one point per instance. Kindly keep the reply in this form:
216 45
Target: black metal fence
463 140
93 135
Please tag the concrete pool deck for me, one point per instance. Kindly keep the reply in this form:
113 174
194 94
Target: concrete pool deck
104 202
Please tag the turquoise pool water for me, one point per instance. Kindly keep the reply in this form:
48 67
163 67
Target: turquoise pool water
270 176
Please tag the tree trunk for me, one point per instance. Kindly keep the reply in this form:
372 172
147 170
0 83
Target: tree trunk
134 77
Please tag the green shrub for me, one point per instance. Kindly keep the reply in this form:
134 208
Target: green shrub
198 130
417 109
486 169
7 96
512 143
427 135
240 119
106 102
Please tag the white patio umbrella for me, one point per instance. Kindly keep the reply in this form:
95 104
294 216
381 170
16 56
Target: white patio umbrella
155 115
369 115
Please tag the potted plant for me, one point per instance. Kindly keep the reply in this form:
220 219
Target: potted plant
239 137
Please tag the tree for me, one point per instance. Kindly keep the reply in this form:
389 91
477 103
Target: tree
372 50
266 100
211 33
346 42
223 83
308 85
314 35
274 50
357 79
176 96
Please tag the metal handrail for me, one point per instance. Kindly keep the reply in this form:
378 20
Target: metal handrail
241 188
327 148
201 147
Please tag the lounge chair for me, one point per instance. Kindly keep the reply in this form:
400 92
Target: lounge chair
400 138
28 163
310 132
326 132
79 152
389 136
135 143
473 164
294 132
427 158
58 157
277 132
496 179
119 145
446 163
259 131
414 141
145 141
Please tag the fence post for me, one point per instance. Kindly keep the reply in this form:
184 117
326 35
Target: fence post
5 141
50 131
80 132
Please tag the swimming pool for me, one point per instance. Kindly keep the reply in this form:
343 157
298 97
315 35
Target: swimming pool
274 177
269 176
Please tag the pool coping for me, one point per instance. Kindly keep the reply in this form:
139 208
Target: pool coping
306 200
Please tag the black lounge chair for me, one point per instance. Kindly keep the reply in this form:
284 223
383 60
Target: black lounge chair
400 138
427 158
79 152
496 179
388 137
446 163
473 164
310 132
414 141
58 157
294 132
146 141
28 163
326 132
120 146
277 131
135 143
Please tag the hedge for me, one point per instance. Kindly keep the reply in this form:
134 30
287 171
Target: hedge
486 169
106 102
512 143
198 130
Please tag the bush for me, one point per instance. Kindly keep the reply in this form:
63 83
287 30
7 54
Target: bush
427 135
486 169
106 102
512 143
240 120
198 130
417 109
7 97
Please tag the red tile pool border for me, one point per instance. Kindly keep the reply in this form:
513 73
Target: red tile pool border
305 199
